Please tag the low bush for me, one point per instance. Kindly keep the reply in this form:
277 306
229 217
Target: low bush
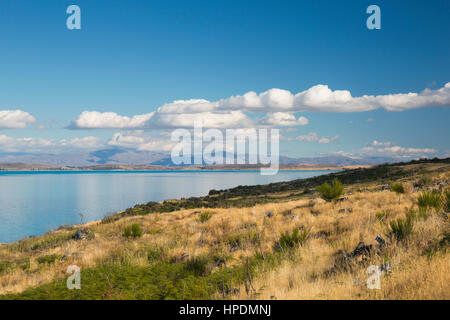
397 187
331 192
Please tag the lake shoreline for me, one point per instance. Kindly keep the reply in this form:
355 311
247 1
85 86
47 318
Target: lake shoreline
21 167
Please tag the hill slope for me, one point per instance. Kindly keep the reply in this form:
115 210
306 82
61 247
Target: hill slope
279 241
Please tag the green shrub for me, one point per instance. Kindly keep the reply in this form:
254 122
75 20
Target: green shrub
427 200
332 192
401 228
397 187
134 231
289 240
205 216
48 259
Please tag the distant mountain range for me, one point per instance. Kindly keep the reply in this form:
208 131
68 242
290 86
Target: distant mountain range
132 157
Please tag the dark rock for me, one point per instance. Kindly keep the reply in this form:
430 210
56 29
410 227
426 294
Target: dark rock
83 234
269 215
361 250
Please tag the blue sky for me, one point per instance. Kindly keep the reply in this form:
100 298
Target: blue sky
131 57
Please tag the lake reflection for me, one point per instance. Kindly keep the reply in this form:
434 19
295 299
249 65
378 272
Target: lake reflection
34 203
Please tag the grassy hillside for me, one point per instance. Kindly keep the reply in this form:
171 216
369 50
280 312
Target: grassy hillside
278 241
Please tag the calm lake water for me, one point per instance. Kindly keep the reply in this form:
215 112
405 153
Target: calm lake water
32 203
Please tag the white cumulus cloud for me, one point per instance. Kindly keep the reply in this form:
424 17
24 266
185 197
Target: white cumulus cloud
108 120
10 119
284 119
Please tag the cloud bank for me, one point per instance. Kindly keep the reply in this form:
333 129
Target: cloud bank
10 144
278 105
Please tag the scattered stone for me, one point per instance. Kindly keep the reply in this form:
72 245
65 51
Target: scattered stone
380 241
362 250
83 234
359 256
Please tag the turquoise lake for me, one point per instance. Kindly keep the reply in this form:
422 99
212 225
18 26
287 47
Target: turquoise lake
32 203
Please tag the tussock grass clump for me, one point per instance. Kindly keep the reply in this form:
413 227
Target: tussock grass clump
331 192
134 231
205 216
428 200
289 240
402 228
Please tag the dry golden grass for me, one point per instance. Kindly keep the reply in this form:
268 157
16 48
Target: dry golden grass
333 227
